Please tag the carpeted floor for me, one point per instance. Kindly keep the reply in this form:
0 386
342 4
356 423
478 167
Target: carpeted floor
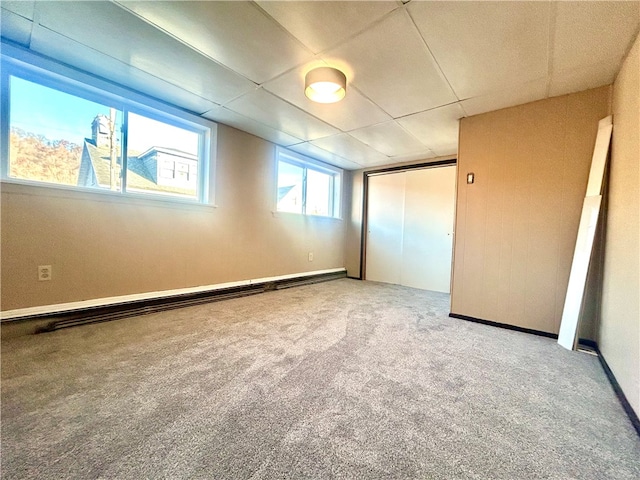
344 379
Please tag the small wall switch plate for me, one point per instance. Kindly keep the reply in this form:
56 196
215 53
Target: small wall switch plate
311 256
470 178
44 272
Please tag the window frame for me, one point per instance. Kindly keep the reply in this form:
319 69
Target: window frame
26 65
308 163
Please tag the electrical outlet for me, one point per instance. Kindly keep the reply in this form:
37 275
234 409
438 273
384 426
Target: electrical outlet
311 256
44 272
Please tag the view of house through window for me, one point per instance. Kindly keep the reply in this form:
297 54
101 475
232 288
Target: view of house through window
307 187
161 158
101 162
56 137
51 132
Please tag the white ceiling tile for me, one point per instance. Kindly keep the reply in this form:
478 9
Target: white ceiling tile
67 51
109 29
339 20
507 97
354 111
233 119
346 146
414 157
390 64
584 78
21 7
200 55
318 153
236 34
443 151
485 46
386 161
388 138
381 164
437 128
589 33
15 27
266 108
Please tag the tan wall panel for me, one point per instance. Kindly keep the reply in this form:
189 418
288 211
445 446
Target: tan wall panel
504 176
619 334
495 193
545 202
514 224
100 247
463 283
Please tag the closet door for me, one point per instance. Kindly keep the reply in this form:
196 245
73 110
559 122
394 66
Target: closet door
385 227
410 228
428 228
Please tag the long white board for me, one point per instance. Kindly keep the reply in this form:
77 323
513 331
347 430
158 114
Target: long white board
579 270
599 158
586 233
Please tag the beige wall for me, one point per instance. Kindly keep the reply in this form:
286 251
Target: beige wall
516 225
99 246
619 335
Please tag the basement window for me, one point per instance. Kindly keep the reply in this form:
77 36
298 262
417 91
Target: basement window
66 129
306 186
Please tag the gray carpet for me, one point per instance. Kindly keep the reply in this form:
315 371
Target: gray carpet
344 379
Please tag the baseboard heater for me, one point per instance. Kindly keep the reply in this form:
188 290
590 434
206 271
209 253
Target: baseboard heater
145 307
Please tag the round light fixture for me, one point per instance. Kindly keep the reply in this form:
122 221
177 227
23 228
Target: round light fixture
325 85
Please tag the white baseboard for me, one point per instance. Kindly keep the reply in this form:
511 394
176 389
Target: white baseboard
122 299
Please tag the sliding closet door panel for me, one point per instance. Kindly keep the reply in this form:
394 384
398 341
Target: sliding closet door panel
385 227
428 228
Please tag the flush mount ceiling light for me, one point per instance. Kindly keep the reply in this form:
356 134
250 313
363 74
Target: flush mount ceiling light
325 85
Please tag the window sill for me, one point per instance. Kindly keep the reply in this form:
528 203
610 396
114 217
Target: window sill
277 214
60 191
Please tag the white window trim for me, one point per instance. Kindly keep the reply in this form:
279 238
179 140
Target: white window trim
294 158
49 73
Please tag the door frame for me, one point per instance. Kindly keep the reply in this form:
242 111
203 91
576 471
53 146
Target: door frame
365 199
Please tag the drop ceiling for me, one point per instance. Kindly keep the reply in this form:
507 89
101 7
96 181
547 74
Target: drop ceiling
413 68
